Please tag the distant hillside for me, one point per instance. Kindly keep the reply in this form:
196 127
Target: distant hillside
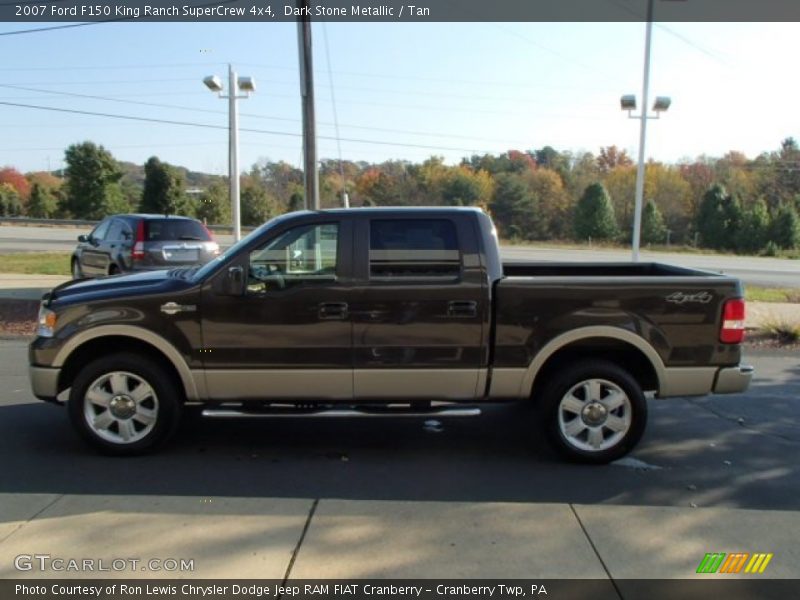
133 175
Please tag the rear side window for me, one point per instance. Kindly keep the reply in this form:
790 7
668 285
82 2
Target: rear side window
414 248
169 230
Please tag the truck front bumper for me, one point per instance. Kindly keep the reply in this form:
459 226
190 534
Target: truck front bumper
44 381
733 380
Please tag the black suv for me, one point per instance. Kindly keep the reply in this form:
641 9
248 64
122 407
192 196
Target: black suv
123 243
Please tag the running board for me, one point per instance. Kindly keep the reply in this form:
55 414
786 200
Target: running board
228 413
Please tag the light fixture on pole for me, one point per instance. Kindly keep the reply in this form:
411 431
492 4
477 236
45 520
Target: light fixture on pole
248 86
628 103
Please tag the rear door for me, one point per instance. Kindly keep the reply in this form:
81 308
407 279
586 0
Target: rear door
418 319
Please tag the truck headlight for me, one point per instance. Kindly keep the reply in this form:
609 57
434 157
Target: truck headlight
47 322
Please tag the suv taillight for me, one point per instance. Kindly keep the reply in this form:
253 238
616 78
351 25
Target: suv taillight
213 247
732 331
138 245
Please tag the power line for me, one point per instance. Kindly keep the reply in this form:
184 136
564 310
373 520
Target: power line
123 100
249 130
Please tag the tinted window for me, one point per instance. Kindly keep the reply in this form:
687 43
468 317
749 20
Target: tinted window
169 230
416 248
99 232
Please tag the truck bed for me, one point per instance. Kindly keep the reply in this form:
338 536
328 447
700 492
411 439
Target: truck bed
622 269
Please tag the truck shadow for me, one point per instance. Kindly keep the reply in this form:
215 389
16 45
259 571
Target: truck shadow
696 453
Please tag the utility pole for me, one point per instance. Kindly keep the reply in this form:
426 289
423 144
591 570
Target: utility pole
310 173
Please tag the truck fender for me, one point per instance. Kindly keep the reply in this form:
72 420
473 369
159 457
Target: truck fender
139 333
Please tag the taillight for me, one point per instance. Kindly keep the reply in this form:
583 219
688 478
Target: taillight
732 331
138 245
213 247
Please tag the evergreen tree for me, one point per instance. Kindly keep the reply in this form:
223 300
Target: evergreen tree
653 229
163 189
257 206
215 207
594 215
754 231
514 208
785 230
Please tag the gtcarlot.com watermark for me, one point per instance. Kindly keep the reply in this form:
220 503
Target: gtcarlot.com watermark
48 563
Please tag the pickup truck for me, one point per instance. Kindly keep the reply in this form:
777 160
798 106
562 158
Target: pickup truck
386 312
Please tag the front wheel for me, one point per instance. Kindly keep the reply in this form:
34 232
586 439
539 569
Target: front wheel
593 412
124 404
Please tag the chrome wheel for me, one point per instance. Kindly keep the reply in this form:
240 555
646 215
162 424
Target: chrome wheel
594 415
120 407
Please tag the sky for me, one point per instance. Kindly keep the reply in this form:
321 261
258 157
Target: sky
397 90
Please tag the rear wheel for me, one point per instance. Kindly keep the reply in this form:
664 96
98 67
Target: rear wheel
124 404
114 270
593 412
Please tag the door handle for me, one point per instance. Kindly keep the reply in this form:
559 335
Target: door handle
462 309
330 311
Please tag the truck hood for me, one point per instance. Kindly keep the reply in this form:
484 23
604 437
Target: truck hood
136 284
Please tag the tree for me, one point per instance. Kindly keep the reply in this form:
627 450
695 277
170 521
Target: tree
653 229
755 228
10 203
594 214
163 189
296 202
785 230
514 209
464 187
16 180
215 207
719 219
257 206
43 204
92 181
552 202
612 157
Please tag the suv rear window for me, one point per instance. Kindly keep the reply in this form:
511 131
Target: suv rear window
169 230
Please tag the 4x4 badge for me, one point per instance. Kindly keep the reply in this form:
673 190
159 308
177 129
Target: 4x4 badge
682 298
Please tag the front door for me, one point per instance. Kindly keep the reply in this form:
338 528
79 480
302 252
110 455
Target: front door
289 336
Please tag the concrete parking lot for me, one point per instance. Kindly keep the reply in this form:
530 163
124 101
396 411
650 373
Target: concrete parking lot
361 498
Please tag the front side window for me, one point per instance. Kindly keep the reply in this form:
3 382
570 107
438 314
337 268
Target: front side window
414 248
99 233
302 255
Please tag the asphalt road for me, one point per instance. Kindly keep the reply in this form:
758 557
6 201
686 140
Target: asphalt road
772 272
695 452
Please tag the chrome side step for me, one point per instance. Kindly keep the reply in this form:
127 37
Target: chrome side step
294 413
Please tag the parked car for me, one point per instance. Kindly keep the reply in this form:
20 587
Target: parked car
124 243
387 312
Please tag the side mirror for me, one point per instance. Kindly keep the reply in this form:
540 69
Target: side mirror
234 281
83 239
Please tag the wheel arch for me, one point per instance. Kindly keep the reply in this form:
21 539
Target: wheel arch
97 341
619 346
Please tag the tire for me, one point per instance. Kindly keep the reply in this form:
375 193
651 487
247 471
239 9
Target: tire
114 270
77 272
593 412
124 404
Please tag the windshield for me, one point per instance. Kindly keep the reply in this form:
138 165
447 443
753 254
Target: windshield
211 266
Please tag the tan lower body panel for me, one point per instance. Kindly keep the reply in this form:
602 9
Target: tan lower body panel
289 384
687 381
341 384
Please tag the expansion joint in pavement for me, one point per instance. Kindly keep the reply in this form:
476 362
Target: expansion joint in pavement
31 518
296 550
594 549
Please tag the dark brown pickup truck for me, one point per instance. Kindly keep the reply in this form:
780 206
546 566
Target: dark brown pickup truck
386 312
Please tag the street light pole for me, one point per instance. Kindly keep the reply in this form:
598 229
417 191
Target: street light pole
637 210
248 86
233 154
